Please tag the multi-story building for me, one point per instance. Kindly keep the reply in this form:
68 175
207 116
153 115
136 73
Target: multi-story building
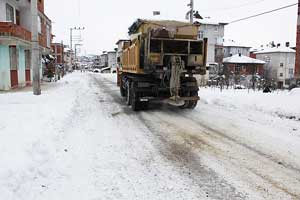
15 41
104 60
280 64
69 58
214 32
231 47
112 61
58 53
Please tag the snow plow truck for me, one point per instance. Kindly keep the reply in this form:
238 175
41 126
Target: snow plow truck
159 62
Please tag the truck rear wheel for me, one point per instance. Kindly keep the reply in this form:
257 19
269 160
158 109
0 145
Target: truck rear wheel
193 104
122 91
190 104
135 104
128 94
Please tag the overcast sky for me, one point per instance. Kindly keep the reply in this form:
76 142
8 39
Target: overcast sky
106 21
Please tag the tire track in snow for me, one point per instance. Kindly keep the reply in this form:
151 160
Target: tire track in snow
280 172
187 161
279 175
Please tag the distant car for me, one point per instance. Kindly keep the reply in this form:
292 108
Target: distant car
239 87
96 70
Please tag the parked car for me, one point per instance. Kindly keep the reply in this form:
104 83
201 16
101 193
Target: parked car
239 87
96 70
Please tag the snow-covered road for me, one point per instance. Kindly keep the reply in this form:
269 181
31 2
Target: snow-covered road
80 141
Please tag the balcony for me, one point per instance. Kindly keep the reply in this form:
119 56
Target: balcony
13 30
10 29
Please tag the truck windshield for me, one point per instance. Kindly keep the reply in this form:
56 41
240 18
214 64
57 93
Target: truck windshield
175 47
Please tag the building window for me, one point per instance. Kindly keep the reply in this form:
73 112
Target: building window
216 28
291 71
281 74
48 35
40 24
281 64
27 59
201 34
10 14
13 58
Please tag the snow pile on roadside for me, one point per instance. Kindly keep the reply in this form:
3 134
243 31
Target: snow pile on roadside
29 127
282 104
295 92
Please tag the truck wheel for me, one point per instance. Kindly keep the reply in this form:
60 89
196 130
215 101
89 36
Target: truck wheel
186 103
193 104
122 91
135 104
144 105
128 94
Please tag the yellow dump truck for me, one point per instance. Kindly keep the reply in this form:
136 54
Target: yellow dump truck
159 61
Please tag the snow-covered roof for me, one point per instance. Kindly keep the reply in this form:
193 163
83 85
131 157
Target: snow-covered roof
66 49
135 26
210 22
276 50
105 68
242 60
232 43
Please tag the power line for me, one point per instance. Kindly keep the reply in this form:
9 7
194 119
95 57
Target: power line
234 7
281 8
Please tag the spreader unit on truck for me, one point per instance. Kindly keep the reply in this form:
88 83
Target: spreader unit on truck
159 62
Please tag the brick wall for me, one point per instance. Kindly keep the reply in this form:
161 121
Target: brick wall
41 6
58 52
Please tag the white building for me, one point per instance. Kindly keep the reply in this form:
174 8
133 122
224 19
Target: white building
15 42
214 32
68 58
104 60
232 47
112 61
280 64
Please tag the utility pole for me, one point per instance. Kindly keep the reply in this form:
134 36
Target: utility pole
297 66
35 51
71 34
192 11
191 14
71 38
76 45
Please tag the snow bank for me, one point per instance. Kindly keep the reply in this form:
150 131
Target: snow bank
295 92
28 131
283 104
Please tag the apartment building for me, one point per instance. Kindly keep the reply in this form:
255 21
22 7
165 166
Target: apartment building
15 41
